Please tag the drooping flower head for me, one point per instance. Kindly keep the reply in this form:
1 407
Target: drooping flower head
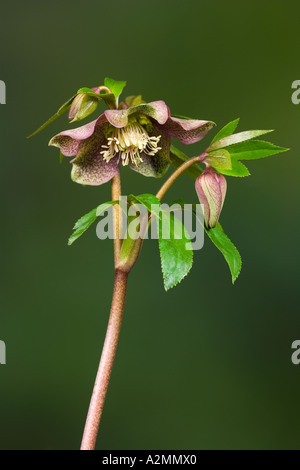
137 136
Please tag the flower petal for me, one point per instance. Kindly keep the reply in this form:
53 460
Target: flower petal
162 112
187 131
89 167
68 141
156 165
157 110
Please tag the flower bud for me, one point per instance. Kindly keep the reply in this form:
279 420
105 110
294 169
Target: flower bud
82 106
211 189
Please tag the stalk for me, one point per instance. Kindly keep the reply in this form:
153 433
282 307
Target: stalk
112 334
106 362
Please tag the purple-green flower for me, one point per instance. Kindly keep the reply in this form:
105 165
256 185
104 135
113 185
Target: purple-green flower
138 136
211 188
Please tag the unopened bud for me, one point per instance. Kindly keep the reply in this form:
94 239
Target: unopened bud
82 106
211 189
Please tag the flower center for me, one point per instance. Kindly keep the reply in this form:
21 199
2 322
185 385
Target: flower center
129 143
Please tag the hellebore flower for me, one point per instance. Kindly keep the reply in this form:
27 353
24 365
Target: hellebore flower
211 188
138 136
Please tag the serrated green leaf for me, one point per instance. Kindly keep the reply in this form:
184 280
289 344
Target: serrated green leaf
226 130
236 138
219 159
87 220
254 149
115 86
237 169
221 241
150 201
178 158
228 250
176 253
61 111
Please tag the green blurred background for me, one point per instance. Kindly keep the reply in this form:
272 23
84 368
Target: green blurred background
206 365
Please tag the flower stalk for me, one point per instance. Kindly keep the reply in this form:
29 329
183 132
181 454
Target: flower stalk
181 169
106 362
112 333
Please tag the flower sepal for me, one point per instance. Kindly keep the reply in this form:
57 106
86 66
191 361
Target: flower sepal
82 106
211 188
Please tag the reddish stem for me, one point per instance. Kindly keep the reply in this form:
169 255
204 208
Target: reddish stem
106 362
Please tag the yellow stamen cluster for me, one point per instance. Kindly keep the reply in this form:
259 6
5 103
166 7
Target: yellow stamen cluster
128 143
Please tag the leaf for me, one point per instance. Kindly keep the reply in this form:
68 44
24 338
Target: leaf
115 86
222 242
237 169
227 248
176 253
219 159
87 220
178 158
253 150
236 138
108 98
61 111
88 91
150 201
226 130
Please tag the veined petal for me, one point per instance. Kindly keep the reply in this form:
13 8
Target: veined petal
89 166
155 165
187 131
68 141
157 110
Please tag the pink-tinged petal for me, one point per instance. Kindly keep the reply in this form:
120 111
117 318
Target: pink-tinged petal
89 167
94 171
187 131
67 145
155 165
68 141
211 189
162 112
117 117
157 110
